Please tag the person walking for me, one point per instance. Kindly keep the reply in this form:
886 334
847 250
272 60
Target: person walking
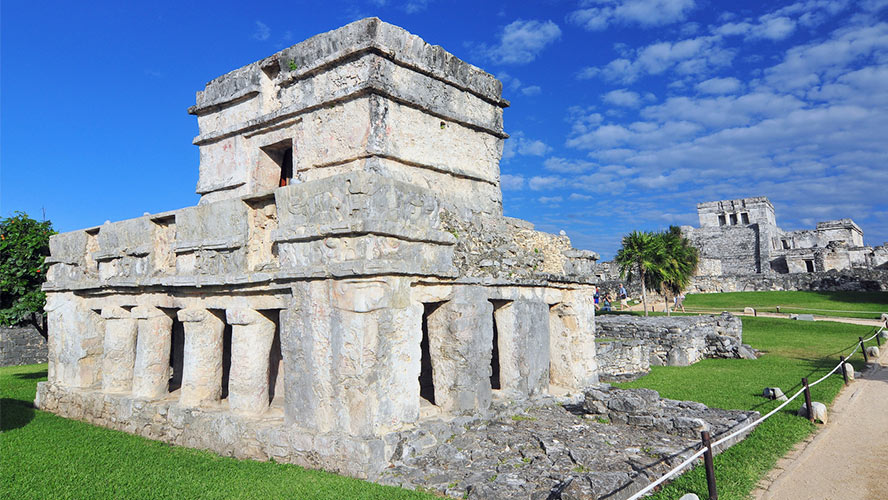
624 297
597 297
679 302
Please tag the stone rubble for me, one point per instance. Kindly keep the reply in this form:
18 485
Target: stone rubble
609 443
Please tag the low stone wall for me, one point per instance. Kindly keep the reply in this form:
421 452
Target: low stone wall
622 360
630 344
848 280
21 345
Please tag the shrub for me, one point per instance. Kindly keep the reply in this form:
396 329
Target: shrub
24 243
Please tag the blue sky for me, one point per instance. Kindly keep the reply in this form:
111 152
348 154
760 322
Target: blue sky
625 113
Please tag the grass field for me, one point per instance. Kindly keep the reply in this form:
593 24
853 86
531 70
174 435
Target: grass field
843 304
792 350
45 456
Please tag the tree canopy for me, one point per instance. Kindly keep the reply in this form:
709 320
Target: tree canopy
24 244
665 261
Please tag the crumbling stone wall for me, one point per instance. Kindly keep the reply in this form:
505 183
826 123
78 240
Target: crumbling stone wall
846 280
672 341
21 345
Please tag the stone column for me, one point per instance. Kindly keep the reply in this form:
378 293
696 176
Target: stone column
76 337
572 340
251 338
523 328
151 375
119 350
461 346
202 369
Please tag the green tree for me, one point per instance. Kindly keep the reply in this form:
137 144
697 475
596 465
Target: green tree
680 260
641 257
24 243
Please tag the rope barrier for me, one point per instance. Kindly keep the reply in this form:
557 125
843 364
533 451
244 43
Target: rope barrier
750 426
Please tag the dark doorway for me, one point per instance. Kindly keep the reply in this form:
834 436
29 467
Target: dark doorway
226 359
809 266
274 357
177 353
495 383
287 167
426 371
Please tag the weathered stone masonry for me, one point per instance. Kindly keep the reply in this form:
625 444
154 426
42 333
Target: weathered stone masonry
327 291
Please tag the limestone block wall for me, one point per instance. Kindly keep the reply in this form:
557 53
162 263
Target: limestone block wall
673 341
621 360
852 280
733 249
21 345
366 97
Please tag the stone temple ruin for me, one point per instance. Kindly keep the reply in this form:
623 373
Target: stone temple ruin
742 237
347 273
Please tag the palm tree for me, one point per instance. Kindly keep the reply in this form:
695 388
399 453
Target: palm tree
642 254
679 265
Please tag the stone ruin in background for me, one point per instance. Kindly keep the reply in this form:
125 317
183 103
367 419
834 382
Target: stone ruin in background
347 273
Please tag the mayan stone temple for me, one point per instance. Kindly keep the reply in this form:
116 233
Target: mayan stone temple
347 274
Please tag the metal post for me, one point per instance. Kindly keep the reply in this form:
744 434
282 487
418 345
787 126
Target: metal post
863 349
844 370
710 468
808 399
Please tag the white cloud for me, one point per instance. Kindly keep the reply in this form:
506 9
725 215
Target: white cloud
550 200
599 14
565 166
580 197
690 56
262 33
727 85
521 42
622 97
540 182
509 182
531 90
518 144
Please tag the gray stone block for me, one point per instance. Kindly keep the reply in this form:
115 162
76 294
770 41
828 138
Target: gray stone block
819 410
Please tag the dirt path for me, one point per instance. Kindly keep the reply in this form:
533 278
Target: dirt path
817 317
848 458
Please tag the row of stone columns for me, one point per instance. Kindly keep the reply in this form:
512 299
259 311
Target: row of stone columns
137 348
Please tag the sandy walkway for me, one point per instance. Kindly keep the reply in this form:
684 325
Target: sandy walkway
848 458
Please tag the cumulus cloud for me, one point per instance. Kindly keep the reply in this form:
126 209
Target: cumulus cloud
685 57
519 144
520 42
597 15
531 90
622 97
563 165
727 85
541 182
510 182
550 200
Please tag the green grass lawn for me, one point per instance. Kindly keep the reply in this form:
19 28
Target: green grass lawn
792 350
842 304
45 456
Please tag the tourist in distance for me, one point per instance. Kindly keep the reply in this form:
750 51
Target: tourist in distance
597 297
624 297
607 304
679 302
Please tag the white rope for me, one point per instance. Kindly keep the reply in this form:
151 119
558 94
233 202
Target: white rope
743 429
669 474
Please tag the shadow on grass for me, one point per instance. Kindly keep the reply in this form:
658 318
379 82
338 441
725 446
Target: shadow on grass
30 376
16 413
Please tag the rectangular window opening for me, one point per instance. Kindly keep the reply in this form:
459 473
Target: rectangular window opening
809 265
733 219
721 220
281 153
426 369
785 245
744 217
